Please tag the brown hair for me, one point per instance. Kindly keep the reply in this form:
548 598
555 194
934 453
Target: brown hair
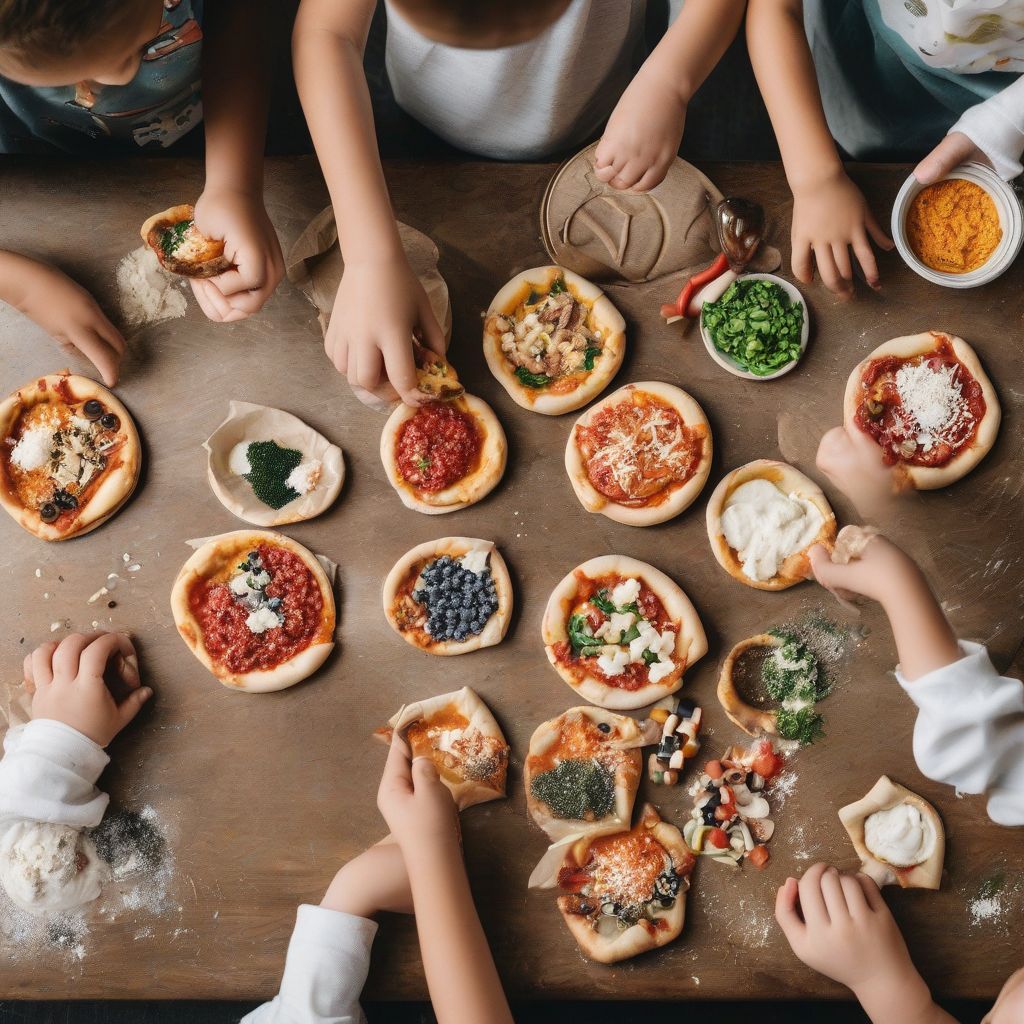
54 28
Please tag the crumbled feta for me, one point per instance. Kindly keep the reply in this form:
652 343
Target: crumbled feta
238 460
657 670
33 449
305 476
626 593
616 626
613 661
262 619
240 584
475 560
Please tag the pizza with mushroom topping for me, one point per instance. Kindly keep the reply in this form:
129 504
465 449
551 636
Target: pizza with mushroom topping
553 340
69 456
621 633
928 404
640 456
181 247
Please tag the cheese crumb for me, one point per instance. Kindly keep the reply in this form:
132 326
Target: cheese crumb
261 620
238 460
626 593
305 476
33 449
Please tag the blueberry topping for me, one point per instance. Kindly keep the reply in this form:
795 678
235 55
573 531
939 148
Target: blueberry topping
458 602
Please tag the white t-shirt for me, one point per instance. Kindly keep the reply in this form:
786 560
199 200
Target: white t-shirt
523 102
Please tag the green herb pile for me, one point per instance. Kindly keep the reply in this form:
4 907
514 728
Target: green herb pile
755 324
792 675
270 465
583 642
174 236
583 790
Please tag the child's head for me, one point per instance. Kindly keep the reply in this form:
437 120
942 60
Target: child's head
62 42
480 24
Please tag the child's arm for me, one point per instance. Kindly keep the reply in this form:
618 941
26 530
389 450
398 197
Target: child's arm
380 303
235 98
463 982
643 134
839 926
65 310
830 215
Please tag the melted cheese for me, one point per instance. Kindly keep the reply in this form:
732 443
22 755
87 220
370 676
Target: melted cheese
630 448
625 593
900 835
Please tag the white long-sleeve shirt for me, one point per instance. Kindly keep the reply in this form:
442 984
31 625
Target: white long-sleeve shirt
970 731
996 127
324 973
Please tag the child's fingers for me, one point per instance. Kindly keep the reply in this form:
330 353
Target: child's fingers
856 900
822 565
653 176
812 902
67 658
132 705
97 654
432 336
424 773
787 911
866 258
397 775
109 333
828 271
401 371
42 663
368 366
872 893
210 300
841 257
802 268
881 239
833 895
100 353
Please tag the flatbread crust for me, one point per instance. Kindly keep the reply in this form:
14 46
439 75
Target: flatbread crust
249 422
471 488
751 720
395 587
466 790
209 259
218 557
617 944
883 795
562 738
929 478
797 567
109 490
670 502
691 642
603 317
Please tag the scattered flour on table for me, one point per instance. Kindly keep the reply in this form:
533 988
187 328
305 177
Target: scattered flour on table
148 294
996 903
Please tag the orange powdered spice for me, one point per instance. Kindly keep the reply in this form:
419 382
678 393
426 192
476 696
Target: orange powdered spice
953 226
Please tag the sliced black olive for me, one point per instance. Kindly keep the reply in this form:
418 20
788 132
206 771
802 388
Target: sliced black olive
64 500
48 512
604 727
93 409
109 422
685 708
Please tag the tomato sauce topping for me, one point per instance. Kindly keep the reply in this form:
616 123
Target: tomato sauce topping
639 450
222 618
437 447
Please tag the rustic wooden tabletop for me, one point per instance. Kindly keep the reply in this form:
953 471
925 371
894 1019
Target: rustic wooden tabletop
263 796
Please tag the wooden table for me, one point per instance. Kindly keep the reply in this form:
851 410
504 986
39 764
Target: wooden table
266 795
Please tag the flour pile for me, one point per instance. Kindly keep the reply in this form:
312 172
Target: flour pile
46 867
148 294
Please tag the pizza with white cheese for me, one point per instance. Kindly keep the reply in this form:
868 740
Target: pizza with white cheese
621 633
256 609
69 456
553 340
640 456
928 404
181 247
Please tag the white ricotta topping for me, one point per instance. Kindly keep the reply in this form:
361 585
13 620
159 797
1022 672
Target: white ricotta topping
933 403
238 460
33 449
262 619
613 661
617 624
305 476
658 670
765 526
475 560
900 835
625 593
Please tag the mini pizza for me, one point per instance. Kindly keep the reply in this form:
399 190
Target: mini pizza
621 633
762 520
449 596
641 455
256 609
435 376
443 456
929 406
180 247
459 733
553 340
69 456
625 894
897 835
578 776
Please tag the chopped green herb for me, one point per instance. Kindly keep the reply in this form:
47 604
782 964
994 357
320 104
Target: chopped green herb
804 725
578 790
630 635
584 644
558 286
423 464
756 325
174 236
791 671
590 356
603 603
270 465
532 380
650 657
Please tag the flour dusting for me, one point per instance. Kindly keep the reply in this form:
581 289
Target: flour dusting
148 294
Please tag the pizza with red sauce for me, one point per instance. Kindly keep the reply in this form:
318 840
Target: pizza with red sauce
443 456
69 456
256 609
927 403
621 633
640 456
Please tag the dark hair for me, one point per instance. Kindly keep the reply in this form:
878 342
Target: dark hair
41 28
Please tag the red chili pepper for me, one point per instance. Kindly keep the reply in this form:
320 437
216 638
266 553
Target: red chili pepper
682 303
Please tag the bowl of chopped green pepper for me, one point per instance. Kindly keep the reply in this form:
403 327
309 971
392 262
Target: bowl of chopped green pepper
758 328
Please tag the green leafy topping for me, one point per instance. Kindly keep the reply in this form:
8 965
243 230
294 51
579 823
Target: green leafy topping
792 671
590 355
756 325
558 286
584 644
174 236
270 465
578 790
532 380
603 603
650 657
804 725
630 635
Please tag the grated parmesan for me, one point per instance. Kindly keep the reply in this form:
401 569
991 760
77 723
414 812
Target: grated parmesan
33 448
933 402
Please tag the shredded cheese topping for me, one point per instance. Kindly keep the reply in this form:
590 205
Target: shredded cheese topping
933 406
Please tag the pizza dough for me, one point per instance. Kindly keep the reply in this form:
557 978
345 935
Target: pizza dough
459 733
463 604
180 247
69 456
553 340
897 835
625 894
640 456
762 520
577 777
656 631
299 471
751 720
938 422
443 456
852 542
256 609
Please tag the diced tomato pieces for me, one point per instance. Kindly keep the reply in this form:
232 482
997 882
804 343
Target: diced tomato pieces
717 838
572 879
714 769
725 812
767 765
759 857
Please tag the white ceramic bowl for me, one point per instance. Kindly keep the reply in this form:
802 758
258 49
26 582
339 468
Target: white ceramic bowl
726 362
1011 220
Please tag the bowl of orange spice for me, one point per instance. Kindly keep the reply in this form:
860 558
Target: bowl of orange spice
961 231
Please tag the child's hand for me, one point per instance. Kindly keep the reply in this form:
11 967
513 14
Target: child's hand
376 880
250 242
881 571
416 805
642 137
90 682
380 307
853 462
830 217
955 149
